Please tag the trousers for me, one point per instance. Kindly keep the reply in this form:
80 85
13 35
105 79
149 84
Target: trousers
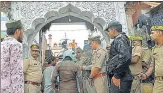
125 87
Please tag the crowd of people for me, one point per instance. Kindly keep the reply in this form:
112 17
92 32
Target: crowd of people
122 67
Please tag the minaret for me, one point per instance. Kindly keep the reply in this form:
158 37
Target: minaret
50 40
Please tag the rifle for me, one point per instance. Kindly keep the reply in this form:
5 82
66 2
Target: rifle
109 75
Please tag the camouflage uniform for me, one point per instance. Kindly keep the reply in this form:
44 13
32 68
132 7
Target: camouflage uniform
78 61
85 61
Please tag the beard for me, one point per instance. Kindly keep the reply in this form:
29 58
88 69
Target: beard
20 39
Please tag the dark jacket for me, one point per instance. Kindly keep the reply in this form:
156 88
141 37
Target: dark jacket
120 57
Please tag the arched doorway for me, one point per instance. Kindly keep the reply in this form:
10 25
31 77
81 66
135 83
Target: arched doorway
62 16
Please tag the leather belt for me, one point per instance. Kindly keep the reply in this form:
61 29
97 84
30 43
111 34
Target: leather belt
100 75
33 83
160 78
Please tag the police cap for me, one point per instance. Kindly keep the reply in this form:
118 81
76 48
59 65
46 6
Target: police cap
34 47
157 28
131 37
135 38
95 38
138 38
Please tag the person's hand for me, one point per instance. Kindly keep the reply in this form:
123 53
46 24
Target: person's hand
142 76
116 81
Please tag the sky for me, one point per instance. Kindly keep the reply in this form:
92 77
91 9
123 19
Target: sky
4 19
77 31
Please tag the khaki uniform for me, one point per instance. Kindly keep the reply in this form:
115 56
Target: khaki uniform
147 59
157 56
99 60
147 56
136 69
32 72
147 86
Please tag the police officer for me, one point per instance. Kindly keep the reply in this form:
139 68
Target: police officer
86 66
98 70
79 52
147 84
136 64
79 60
119 60
157 59
146 61
33 71
67 71
87 51
87 47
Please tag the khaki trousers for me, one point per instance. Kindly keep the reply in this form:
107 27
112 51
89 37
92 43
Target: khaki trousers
136 85
29 88
100 84
89 88
147 88
158 87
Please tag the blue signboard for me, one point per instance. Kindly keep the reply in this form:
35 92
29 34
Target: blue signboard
3 34
4 19
85 42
